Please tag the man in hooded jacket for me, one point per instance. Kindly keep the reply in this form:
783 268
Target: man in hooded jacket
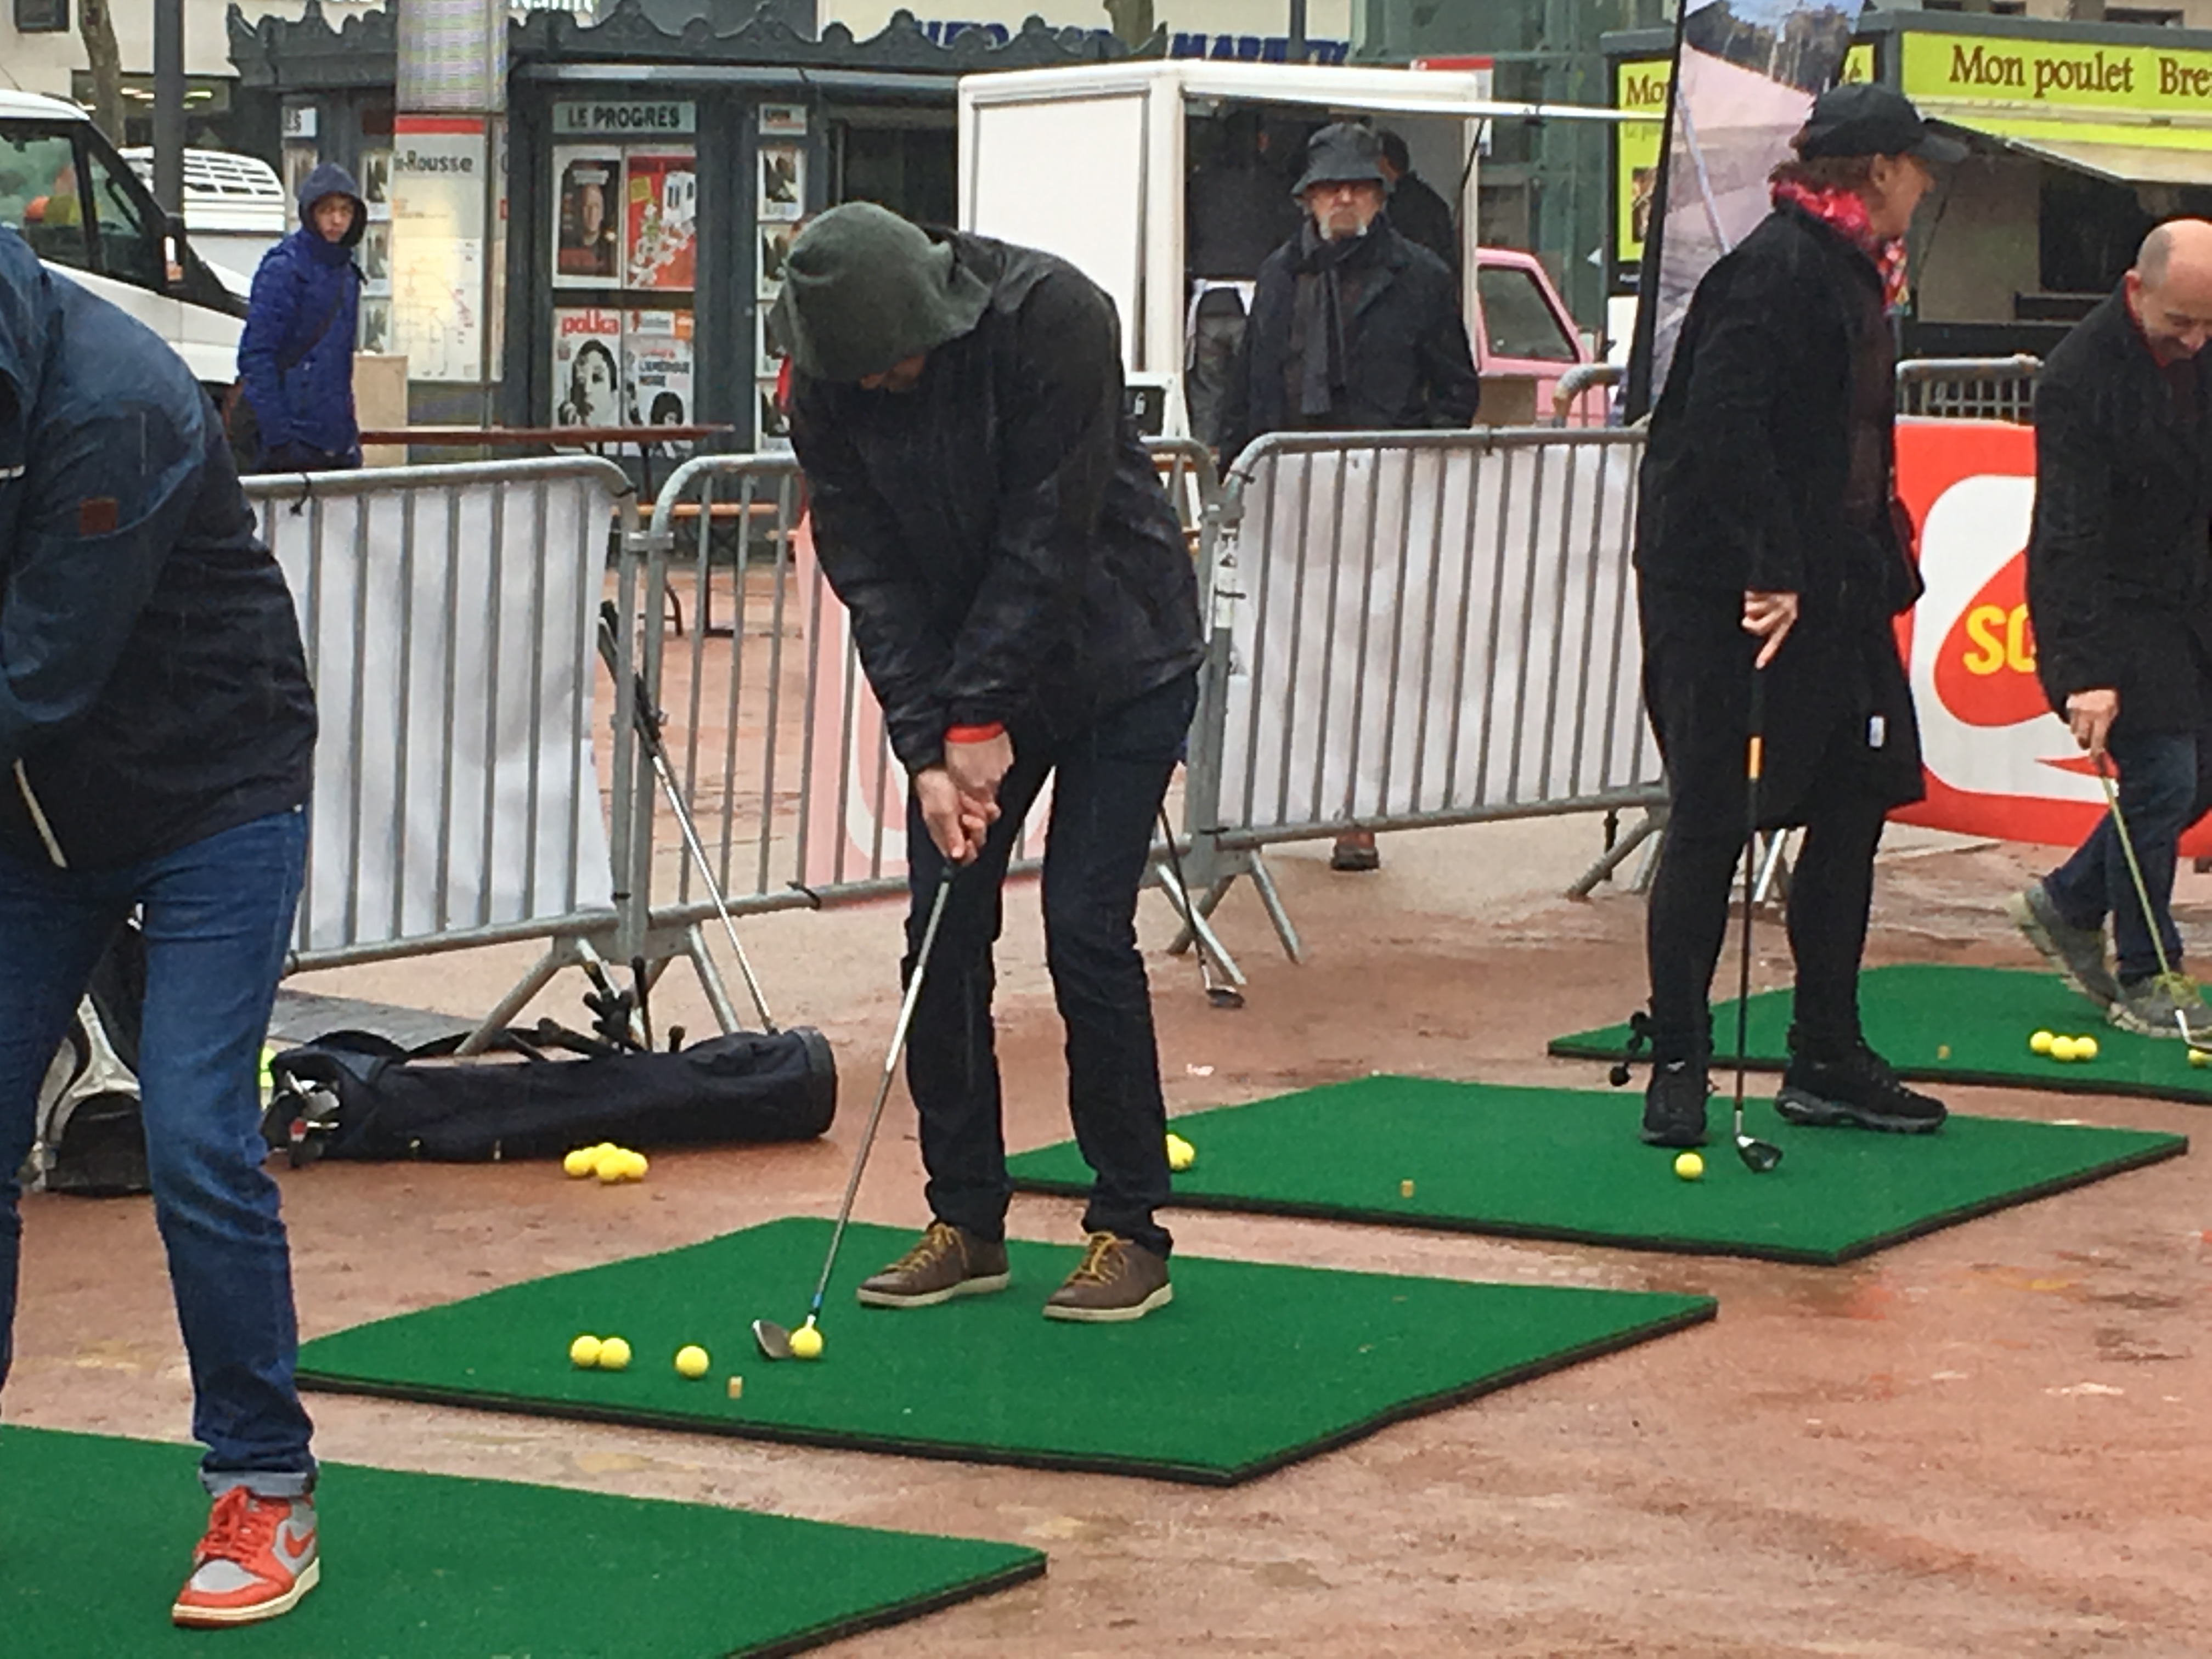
1024 607
296 355
156 735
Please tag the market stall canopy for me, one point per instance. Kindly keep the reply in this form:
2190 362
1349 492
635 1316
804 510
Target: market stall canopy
2148 152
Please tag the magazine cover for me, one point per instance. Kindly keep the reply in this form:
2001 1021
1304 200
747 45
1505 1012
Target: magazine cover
586 366
782 183
657 366
662 236
586 222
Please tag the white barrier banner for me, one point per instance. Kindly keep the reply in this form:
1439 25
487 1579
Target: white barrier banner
1433 630
450 631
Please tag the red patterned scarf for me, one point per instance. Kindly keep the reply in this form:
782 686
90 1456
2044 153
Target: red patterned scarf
1843 212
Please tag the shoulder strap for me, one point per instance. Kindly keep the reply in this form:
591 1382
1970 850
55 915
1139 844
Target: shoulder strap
287 361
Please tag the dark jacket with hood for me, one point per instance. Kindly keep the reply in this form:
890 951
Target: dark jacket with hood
1403 363
1770 469
2119 560
297 354
999 534
152 691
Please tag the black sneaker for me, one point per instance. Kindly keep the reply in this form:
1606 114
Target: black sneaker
1674 1104
1860 1091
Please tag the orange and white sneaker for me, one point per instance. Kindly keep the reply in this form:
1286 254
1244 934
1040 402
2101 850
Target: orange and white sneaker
258 1559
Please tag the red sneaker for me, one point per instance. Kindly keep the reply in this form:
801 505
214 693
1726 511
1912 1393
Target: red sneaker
258 1559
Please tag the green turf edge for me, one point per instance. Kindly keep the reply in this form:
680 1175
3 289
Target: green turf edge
1700 1310
919 1606
1572 1047
2170 1146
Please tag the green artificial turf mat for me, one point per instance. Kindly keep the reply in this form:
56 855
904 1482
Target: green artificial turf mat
1566 1163
1249 1368
96 1534
1983 1016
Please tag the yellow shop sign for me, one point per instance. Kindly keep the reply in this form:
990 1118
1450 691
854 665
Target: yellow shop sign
2006 70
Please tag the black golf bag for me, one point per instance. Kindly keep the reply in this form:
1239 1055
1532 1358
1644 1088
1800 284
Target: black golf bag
91 1137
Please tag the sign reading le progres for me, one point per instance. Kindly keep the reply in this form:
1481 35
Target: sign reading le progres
616 116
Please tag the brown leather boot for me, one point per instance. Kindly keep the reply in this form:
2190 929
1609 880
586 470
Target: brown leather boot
1117 1279
946 1262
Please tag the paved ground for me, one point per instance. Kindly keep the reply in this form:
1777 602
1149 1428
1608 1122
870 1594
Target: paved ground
1992 1441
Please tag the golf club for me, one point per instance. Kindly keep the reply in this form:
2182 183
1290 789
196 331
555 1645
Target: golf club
2203 1046
648 721
1219 993
1758 1156
774 1339
641 983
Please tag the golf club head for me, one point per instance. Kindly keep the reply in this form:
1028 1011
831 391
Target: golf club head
1758 1157
773 1340
1225 996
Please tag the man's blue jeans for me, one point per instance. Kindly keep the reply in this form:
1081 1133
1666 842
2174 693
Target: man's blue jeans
1108 780
218 919
2165 786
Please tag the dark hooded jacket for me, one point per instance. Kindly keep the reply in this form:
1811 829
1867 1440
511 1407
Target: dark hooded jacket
2119 560
999 534
1407 363
297 354
152 691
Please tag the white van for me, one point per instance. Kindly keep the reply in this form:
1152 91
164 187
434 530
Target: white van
236 208
87 216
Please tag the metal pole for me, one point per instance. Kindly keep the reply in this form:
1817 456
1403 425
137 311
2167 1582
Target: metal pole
1296 53
169 105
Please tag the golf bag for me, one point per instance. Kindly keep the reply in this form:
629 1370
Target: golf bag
350 1095
90 1136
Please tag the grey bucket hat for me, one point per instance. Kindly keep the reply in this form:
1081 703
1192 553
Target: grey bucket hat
863 289
1345 153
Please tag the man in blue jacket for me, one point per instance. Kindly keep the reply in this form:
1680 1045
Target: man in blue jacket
295 357
156 733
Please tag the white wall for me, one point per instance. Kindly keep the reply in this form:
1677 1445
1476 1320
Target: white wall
42 63
1325 19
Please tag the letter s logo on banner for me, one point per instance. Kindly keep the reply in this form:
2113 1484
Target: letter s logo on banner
1998 761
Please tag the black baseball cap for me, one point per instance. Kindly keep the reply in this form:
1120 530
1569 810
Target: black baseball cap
1865 119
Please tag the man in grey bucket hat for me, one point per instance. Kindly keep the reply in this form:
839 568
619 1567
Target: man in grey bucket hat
1024 607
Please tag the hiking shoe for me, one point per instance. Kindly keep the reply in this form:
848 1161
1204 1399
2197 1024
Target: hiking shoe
1355 850
1860 1091
1117 1278
946 1262
257 1560
2076 952
1675 1104
2150 1006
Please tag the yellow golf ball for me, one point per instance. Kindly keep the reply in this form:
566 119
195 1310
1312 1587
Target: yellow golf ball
2041 1042
2198 1057
2061 1049
635 1164
691 1361
584 1352
580 1163
612 1165
1690 1166
2085 1048
1181 1153
614 1355
806 1343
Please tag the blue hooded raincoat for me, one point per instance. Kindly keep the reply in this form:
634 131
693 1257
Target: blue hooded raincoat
297 354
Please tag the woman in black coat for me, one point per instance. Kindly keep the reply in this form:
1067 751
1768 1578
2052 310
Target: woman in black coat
1770 564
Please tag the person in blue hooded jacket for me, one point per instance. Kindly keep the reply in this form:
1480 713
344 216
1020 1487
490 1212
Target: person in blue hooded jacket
157 737
295 357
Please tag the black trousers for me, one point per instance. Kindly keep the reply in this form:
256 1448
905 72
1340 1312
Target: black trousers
1108 783
1840 749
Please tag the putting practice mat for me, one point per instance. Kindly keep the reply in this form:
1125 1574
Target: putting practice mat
1566 1163
1940 1025
96 1536
1249 1368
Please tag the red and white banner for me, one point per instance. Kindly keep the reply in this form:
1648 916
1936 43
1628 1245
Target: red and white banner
1998 761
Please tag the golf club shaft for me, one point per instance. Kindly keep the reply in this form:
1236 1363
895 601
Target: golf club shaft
1189 905
1754 764
646 722
884 1086
2142 896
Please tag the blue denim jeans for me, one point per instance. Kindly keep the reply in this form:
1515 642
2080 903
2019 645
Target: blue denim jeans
2165 786
218 919
1108 780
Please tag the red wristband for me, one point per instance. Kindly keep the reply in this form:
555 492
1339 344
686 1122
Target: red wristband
974 733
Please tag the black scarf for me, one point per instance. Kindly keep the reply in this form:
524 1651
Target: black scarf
1317 315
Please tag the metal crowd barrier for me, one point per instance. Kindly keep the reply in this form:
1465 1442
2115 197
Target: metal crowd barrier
776 745
1969 388
1413 629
